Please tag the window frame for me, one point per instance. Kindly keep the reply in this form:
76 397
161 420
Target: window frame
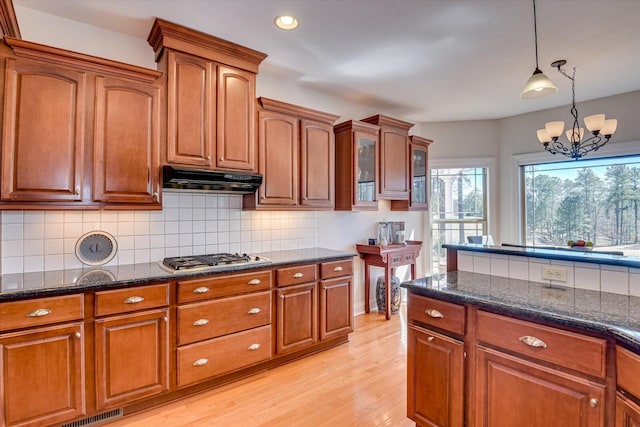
490 196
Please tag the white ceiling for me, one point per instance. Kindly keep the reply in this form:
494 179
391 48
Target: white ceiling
422 60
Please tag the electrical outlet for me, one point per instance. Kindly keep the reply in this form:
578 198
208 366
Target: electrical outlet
559 274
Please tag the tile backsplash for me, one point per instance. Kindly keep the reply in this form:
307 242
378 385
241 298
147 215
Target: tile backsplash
597 277
189 223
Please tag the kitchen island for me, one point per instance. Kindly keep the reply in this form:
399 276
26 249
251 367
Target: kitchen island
489 350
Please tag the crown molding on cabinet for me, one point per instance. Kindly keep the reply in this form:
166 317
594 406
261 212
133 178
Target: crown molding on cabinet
8 20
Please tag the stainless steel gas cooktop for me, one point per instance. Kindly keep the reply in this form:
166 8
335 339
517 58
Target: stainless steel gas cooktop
211 261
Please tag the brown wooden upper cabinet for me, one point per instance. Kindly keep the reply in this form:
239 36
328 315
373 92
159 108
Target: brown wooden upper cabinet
418 175
295 156
394 155
78 131
210 107
357 166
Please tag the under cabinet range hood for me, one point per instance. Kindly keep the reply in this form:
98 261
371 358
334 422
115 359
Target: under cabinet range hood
212 181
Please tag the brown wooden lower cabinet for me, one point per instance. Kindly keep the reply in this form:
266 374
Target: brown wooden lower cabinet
297 311
435 371
131 357
627 412
514 392
42 376
336 307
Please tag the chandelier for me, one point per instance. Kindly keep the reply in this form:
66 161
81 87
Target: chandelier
601 129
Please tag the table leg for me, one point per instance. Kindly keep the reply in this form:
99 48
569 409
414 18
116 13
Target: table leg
413 271
388 274
366 287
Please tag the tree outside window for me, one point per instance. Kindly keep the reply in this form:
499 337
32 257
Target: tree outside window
593 200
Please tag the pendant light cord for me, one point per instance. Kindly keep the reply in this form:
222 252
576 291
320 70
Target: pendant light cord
535 31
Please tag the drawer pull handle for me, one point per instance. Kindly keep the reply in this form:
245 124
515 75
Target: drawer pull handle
430 339
593 402
254 282
533 341
254 310
134 300
200 362
434 313
39 313
253 347
201 290
201 322
298 275
338 268
395 259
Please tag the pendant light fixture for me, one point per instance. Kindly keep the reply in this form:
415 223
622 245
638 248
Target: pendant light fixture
538 84
601 129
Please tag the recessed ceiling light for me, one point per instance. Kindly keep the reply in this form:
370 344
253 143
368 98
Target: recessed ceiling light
286 22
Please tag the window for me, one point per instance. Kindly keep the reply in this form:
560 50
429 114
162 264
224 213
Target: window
596 200
458 208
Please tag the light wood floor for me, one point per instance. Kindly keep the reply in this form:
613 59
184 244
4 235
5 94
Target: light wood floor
361 383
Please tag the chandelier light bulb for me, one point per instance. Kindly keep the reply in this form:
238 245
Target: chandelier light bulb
594 123
543 136
575 135
609 127
554 129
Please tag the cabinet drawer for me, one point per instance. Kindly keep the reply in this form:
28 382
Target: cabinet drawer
628 366
131 299
329 270
209 319
201 361
296 275
396 260
433 312
41 311
563 348
220 286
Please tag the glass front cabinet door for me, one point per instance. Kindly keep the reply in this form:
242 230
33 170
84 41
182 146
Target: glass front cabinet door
357 166
419 170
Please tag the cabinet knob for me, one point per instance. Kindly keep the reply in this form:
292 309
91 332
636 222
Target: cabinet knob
533 341
77 191
200 362
201 290
253 347
78 335
434 313
593 402
155 195
134 300
281 296
298 275
39 312
208 157
166 319
254 310
430 339
201 322
254 282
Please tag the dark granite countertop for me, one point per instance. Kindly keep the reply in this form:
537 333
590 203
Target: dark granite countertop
46 283
566 254
610 314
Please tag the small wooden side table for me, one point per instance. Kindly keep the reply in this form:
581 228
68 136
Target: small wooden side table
388 258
